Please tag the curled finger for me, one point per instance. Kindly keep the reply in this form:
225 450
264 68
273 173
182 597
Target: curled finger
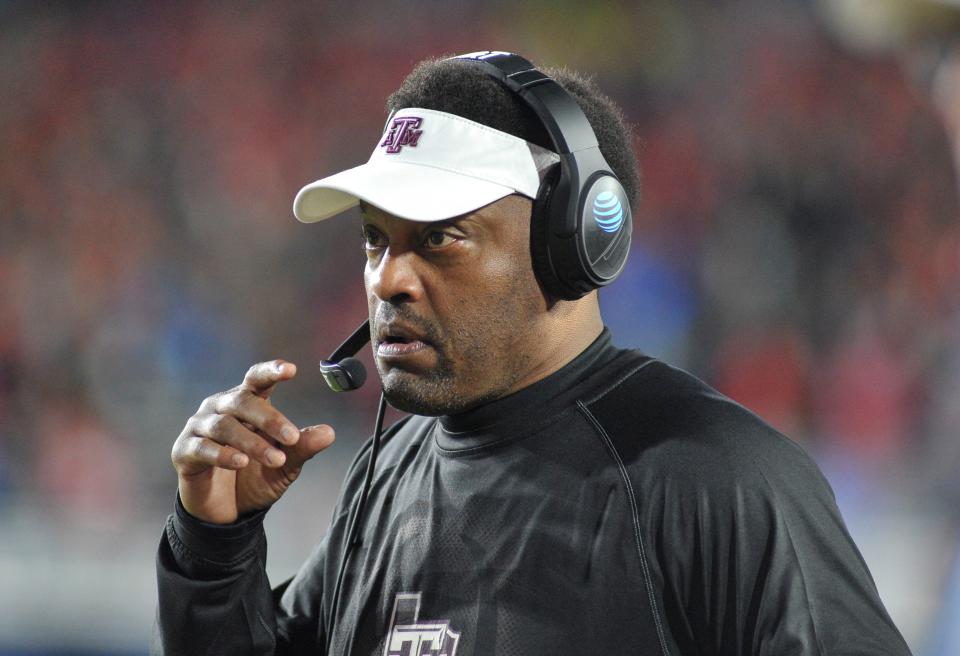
227 430
259 415
199 450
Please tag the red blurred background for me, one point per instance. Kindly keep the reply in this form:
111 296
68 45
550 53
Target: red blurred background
797 245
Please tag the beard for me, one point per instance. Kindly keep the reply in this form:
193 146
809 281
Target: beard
431 394
442 389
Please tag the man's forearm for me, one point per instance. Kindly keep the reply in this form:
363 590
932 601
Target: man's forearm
214 595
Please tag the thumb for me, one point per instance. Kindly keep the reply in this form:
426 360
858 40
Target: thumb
313 440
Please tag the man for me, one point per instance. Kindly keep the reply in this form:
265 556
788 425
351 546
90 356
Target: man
549 493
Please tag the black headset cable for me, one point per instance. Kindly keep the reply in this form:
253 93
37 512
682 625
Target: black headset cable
353 533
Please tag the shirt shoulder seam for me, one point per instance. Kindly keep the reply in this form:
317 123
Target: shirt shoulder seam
634 509
803 578
618 381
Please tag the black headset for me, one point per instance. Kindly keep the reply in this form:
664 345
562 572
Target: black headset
580 235
579 238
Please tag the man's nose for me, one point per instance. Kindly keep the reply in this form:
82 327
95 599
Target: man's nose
395 278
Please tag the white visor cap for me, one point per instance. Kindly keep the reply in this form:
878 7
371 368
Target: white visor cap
431 166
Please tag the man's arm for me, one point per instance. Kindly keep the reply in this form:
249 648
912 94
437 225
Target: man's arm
214 595
235 457
762 562
749 548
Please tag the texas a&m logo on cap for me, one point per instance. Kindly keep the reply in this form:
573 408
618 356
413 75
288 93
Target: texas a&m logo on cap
402 132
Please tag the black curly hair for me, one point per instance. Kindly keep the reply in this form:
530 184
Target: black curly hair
463 88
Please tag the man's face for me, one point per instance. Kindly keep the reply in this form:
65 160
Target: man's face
454 306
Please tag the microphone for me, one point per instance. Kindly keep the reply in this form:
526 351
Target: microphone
341 370
343 373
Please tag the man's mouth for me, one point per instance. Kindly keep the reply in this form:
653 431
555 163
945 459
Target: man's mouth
397 341
392 349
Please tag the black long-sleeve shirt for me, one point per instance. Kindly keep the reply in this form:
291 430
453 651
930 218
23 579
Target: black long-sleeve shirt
619 506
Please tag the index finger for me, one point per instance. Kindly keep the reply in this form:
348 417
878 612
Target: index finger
263 376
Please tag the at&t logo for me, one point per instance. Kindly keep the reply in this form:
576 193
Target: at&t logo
607 211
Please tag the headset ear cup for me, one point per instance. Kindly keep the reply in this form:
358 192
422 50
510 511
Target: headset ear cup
539 237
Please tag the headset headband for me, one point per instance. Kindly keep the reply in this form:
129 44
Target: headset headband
566 124
584 238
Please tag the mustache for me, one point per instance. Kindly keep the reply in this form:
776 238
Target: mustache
388 313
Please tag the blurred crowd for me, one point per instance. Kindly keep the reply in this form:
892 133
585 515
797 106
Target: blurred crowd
797 243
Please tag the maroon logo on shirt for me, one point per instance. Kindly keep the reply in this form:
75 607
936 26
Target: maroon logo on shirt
411 636
402 132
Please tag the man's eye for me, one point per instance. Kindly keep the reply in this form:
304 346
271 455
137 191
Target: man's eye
438 239
372 238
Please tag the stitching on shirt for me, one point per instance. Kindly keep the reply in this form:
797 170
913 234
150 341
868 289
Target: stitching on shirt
803 579
266 627
177 543
647 579
615 384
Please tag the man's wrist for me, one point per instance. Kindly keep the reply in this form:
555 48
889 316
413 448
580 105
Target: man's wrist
218 543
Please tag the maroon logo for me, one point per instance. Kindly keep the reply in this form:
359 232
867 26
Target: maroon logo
403 132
